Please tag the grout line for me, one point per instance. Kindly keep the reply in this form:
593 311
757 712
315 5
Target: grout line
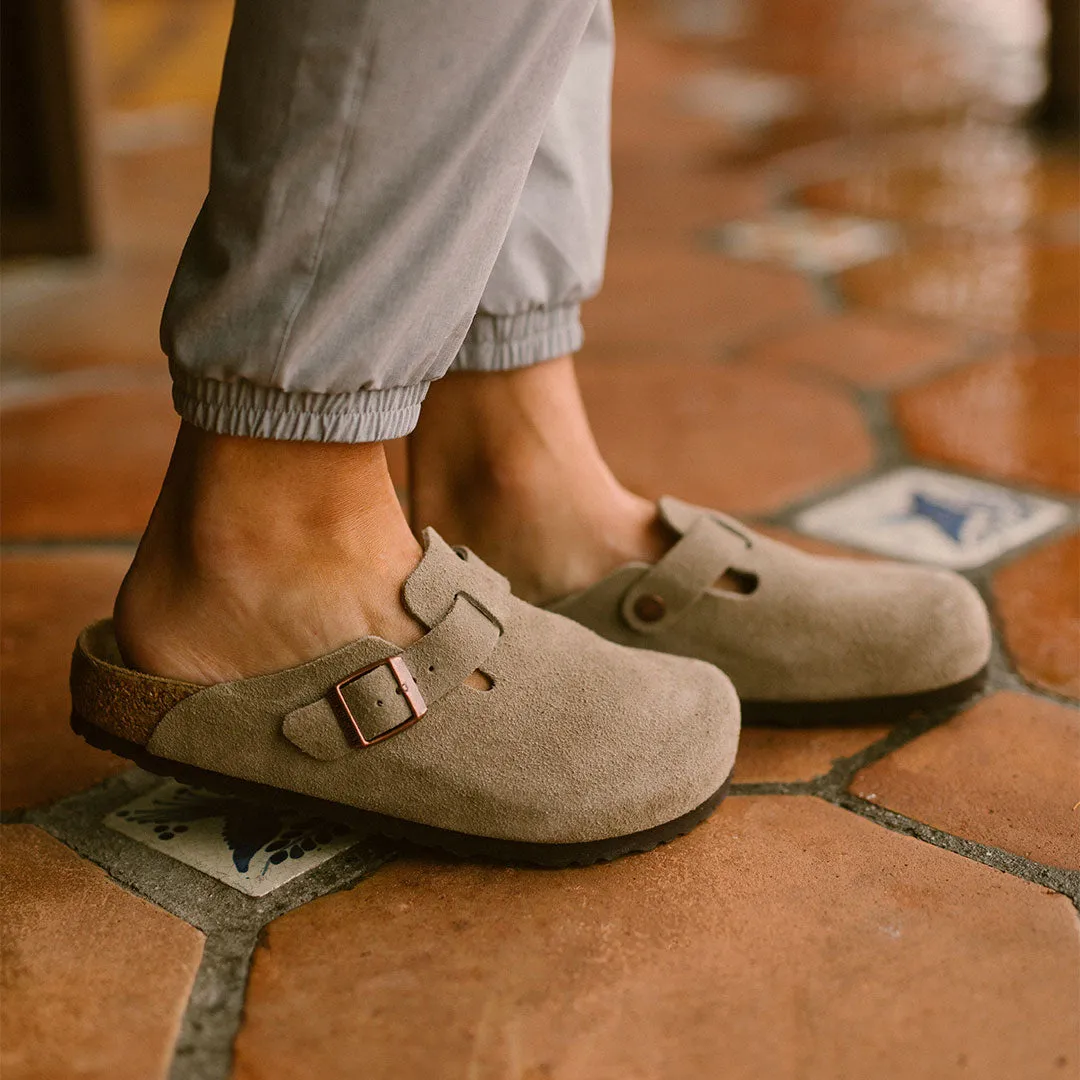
59 545
832 787
1066 882
774 787
215 1008
188 894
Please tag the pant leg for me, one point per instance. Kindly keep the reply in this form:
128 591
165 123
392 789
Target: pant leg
553 255
368 156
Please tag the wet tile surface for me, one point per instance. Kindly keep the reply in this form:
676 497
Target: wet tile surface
869 350
95 980
664 300
754 946
62 319
1004 773
815 242
742 99
45 600
1038 602
657 205
787 938
977 178
1012 418
1008 285
701 435
252 847
915 513
786 755
87 466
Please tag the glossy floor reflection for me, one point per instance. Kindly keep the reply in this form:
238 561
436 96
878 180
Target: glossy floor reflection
842 299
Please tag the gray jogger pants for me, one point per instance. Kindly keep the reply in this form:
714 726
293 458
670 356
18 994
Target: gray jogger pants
397 187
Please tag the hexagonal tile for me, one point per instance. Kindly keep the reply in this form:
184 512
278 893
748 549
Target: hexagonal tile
1003 773
738 437
95 980
1006 284
753 947
64 318
659 298
47 599
792 754
1038 601
867 349
86 466
966 176
1014 417
656 202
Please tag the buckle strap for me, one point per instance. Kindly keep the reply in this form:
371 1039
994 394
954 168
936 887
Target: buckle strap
385 698
678 579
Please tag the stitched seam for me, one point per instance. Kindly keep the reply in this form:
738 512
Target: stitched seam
348 130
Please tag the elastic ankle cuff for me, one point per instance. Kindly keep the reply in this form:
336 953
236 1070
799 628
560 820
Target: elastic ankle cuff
260 412
505 342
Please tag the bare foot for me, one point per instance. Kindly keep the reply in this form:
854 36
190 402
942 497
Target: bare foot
506 463
261 555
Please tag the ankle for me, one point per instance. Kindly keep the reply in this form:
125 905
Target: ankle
259 555
507 464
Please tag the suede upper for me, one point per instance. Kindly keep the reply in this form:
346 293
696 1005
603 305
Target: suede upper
577 739
803 627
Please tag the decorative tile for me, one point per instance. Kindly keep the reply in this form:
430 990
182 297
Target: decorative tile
252 847
746 100
714 19
805 240
933 517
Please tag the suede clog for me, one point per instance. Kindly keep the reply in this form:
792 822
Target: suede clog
579 750
805 639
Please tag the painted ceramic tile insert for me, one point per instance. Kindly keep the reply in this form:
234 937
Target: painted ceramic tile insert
252 847
715 19
933 517
808 240
747 101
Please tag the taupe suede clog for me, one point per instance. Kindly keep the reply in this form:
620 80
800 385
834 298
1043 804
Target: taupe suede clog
580 750
805 639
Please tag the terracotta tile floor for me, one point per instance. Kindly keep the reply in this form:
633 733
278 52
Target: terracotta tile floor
898 902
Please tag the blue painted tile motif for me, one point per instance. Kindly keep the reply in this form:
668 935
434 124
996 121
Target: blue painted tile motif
934 517
253 847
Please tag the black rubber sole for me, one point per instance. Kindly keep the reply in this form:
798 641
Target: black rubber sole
861 711
465 845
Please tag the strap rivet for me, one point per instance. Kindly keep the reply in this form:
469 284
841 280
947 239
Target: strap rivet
650 607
